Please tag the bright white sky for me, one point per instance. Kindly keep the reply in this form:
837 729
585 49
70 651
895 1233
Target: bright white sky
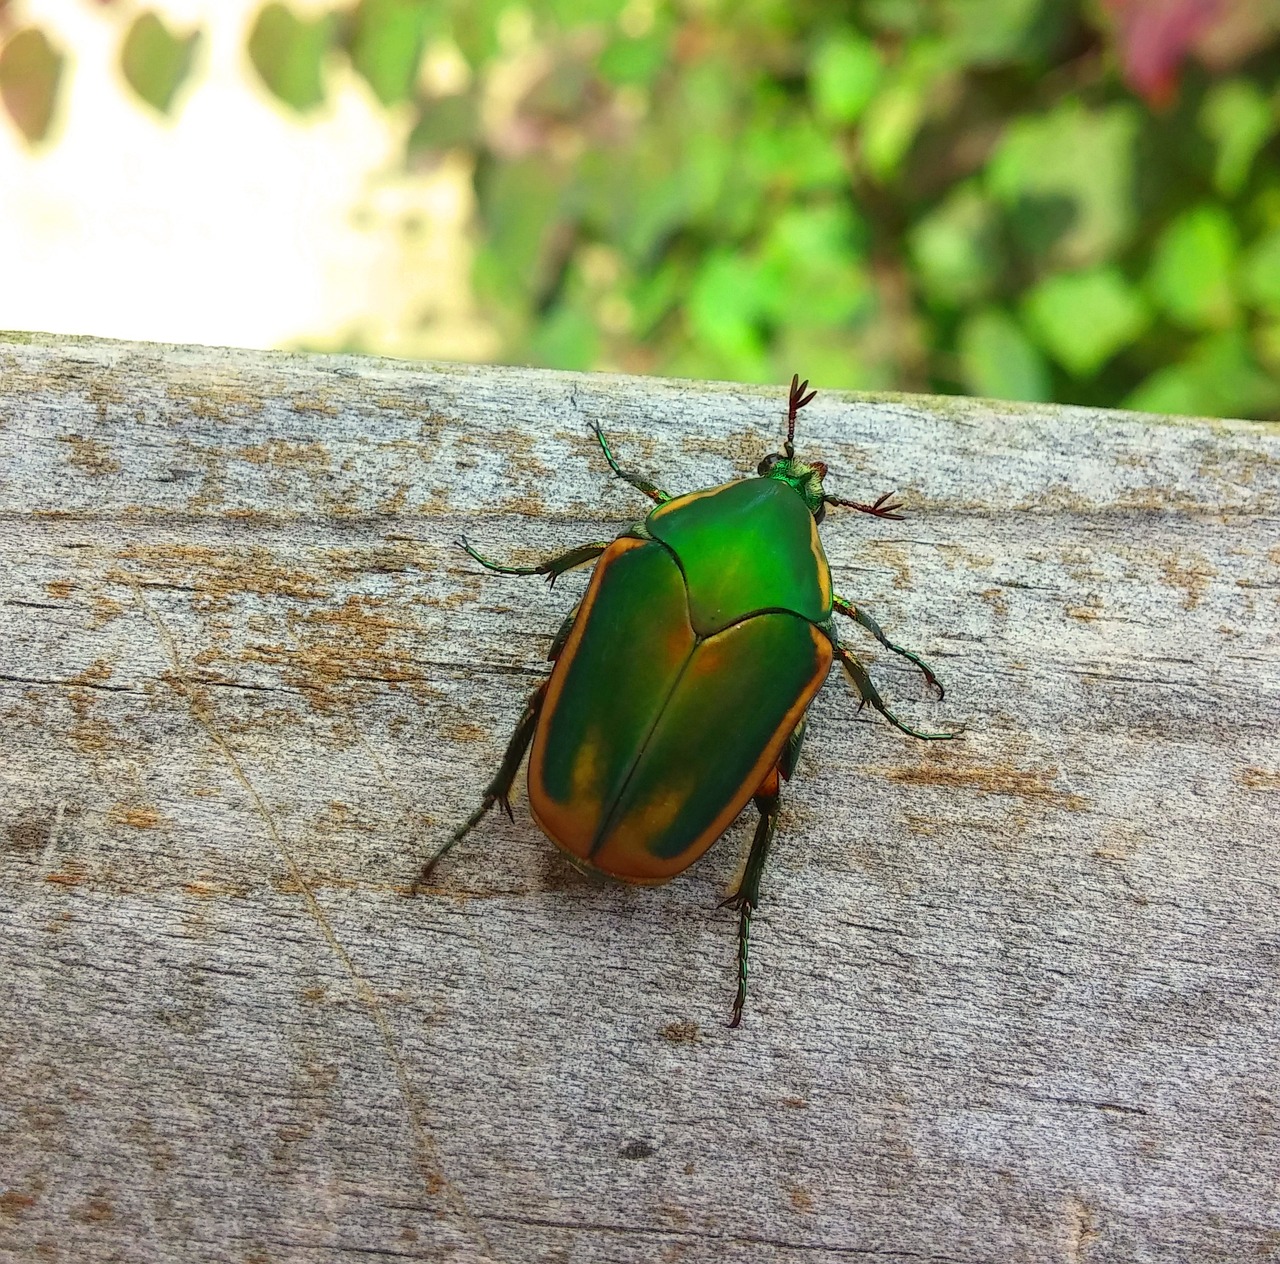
235 222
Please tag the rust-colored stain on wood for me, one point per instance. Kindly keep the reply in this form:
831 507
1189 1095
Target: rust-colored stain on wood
13 1203
140 818
93 1211
1192 574
97 672
91 456
1260 779
1002 779
885 552
282 454
344 649
218 575
88 731
682 1032
71 876
210 890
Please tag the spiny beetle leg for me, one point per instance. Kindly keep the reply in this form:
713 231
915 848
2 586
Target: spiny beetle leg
747 896
553 568
497 791
859 616
638 481
868 693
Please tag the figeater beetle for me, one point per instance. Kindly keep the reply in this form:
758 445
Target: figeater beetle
681 680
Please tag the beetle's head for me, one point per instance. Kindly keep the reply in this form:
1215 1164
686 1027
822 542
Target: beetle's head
806 477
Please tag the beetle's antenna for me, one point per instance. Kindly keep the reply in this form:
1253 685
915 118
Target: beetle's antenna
885 507
797 401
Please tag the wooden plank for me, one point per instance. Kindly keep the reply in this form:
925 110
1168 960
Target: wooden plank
1013 999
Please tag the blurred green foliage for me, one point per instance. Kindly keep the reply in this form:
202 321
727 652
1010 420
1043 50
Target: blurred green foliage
1035 199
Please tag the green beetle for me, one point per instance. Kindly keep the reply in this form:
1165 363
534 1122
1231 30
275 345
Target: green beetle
681 680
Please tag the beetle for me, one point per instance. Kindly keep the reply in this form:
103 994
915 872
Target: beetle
680 682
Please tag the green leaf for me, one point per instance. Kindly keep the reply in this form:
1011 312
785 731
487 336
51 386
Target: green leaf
1239 119
893 118
387 42
844 72
1067 179
288 54
1084 318
569 14
1260 273
155 61
812 260
955 250
1192 268
890 127
838 358
726 302
790 152
566 338
901 17
1219 378
999 361
988 32
634 61
521 205
30 75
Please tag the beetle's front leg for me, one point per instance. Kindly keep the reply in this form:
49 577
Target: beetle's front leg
498 790
638 481
867 691
553 568
861 617
747 896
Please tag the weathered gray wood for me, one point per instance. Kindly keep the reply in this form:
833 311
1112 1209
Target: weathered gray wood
1015 999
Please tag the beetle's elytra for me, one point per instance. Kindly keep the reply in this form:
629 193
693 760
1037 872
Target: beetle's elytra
680 682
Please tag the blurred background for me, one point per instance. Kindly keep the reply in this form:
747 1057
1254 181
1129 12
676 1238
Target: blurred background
1070 200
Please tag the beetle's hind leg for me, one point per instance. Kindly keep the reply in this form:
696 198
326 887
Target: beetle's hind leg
498 790
747 897
863 619
868 693
638 481
552 568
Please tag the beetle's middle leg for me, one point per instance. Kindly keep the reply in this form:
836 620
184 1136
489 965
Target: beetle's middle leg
638 481
867 691
552 568
862 618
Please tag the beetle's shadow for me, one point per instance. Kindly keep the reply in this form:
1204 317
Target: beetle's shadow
556 872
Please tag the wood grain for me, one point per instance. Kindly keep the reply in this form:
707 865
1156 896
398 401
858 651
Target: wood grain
1014 999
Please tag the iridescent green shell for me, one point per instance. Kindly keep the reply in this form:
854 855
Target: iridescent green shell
693 657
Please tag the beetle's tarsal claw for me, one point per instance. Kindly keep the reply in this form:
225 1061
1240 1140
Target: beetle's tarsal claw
423 879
